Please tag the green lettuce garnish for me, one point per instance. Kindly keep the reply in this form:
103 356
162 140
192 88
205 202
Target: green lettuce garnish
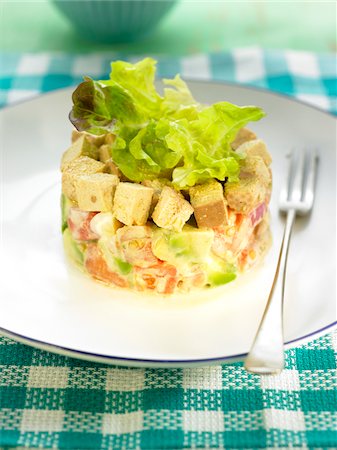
170 135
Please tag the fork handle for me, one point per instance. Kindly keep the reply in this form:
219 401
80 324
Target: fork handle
266 355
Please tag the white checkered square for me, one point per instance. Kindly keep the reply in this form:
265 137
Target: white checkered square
287 380
212 421
47 377
284 420
40 420
33 64
302 64
19 95
126 380
203 378
196 66
321 101
122 423
91 65
249 64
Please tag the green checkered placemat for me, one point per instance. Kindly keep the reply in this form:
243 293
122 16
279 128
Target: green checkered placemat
307 76
51 401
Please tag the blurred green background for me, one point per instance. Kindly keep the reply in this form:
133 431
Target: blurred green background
192 26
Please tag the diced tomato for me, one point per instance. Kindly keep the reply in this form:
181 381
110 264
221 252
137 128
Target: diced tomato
135 245
79 224
162 278
238 220
197 279
242 259
98 268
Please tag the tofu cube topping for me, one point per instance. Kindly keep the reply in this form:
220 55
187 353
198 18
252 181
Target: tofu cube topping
95 192
97 140
245 195
243 135
104 153
255 147
132 203
157 186
209 204
80 147
172 210
72 170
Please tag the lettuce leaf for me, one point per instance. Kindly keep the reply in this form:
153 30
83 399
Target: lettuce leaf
170 136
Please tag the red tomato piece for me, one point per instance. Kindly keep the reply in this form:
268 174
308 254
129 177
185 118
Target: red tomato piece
162 278
98 268
135 244
79 224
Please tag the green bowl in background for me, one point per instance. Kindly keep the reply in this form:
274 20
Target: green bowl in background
114 20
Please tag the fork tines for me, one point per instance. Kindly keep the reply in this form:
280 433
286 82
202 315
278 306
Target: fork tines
298 193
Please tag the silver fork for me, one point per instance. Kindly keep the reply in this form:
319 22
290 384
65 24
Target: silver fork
266 355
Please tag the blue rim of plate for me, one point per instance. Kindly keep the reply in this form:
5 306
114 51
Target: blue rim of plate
108 359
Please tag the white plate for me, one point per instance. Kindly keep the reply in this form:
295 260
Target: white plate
49 304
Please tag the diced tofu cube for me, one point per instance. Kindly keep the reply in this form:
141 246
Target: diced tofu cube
157 186
110 167
80 166
245 195
209 204
97 140
252 188
172 210
75 134
109 138
244 135
104 153
254 167
81 147
132 203
255 147
95 192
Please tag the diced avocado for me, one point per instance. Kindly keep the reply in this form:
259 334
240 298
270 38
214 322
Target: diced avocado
191 245
220 272
115 263
123 266
218 278
66 204
74 250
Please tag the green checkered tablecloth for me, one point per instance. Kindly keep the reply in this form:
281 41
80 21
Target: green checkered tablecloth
51 401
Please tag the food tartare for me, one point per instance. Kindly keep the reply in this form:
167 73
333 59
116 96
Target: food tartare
160 192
